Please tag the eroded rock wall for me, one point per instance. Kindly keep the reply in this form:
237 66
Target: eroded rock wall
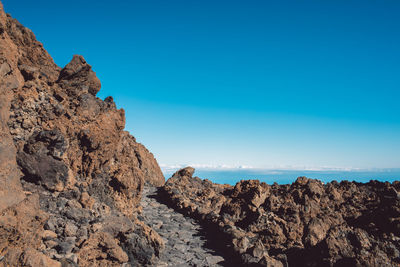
70 176
307 223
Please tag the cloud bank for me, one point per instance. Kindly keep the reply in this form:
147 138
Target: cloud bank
225 167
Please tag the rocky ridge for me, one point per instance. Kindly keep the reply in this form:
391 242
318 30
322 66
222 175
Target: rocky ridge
307 223
70 176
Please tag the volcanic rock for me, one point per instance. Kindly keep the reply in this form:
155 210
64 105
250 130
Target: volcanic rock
307 223
66 164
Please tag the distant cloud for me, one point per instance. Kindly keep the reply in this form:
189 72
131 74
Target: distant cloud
172 168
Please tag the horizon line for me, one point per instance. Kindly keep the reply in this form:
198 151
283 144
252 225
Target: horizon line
166 168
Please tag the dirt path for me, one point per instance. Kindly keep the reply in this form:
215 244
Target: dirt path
185 245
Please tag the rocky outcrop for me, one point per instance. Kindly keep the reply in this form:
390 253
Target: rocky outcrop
10 187
70 176
307 223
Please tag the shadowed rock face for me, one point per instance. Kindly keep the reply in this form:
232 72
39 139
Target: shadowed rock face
69 173
307 223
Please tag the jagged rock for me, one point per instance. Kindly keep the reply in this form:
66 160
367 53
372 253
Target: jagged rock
44 170
10 187
52 143
66 149
307 223
102 249
33 258
47 235
21 229
40 160
78 78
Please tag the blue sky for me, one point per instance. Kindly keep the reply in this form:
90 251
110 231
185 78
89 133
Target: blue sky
268 84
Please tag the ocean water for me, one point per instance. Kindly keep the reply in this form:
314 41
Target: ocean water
289 176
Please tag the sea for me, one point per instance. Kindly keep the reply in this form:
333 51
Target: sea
289 176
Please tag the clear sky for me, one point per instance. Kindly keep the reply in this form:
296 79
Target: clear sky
257 83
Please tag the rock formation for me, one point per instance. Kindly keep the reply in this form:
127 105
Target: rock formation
71 181
307 223
70 176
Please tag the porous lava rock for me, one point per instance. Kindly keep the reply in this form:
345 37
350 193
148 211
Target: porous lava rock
70 176
306 223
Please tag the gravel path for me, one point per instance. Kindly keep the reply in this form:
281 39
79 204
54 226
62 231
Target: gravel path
184 243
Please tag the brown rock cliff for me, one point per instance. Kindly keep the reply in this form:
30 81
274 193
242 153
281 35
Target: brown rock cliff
70 176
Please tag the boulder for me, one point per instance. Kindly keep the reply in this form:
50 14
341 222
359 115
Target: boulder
78 78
